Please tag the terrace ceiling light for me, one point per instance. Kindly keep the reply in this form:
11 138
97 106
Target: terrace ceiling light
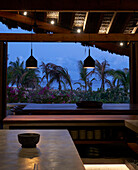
78 30
25 13
31 62
121 44
89 62
52 22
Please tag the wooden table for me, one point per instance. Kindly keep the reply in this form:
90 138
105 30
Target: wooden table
55 151
64 109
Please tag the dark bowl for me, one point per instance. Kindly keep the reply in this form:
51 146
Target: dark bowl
89 104
28 140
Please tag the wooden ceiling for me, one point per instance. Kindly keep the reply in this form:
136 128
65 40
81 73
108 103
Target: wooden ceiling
91 17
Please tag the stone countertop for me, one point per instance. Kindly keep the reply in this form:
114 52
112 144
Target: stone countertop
132 124
55 151
68 108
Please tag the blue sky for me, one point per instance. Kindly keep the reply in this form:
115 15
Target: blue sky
64 54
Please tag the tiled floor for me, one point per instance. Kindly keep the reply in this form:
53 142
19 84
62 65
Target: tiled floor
106 167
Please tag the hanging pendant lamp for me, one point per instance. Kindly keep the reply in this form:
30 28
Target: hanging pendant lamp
89 62
31 62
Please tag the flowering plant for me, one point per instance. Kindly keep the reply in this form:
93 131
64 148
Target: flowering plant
15 95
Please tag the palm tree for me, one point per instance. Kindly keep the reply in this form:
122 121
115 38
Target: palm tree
16 70
102 72
83 74
90 82
121 78
66 77
85 77
80 84
30 79
45 71
9 77
16 74
58 74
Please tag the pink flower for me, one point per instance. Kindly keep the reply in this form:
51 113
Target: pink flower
53 96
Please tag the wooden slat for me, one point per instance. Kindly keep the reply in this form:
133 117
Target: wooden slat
69 5
29 21
13 37
66 19
93 22
134 30
85 20
119 23
27 118
108 29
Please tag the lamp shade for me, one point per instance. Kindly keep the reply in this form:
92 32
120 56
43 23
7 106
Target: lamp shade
89 62
31 62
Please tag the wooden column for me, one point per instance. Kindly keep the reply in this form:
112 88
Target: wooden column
3 78
134 73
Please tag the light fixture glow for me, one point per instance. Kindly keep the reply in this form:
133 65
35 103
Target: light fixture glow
121 44
78 30
25 13
89 62
52 22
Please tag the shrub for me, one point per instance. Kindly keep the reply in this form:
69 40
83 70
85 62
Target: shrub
15 95
45 95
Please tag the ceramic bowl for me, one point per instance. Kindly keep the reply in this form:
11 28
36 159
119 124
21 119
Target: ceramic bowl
28 140
89 104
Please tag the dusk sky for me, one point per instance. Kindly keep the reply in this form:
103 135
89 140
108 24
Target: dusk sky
66 55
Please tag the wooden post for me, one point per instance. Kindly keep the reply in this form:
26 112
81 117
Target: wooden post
3 79
134 73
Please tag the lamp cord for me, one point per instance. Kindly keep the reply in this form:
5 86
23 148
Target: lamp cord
89 40
31 43
31 32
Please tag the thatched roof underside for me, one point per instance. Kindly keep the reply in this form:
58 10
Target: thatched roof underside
69 22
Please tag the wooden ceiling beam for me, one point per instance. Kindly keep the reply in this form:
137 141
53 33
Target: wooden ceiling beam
13 37
71 5
29 21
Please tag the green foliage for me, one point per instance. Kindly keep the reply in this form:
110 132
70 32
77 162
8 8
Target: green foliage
53 72
20 76
44 95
